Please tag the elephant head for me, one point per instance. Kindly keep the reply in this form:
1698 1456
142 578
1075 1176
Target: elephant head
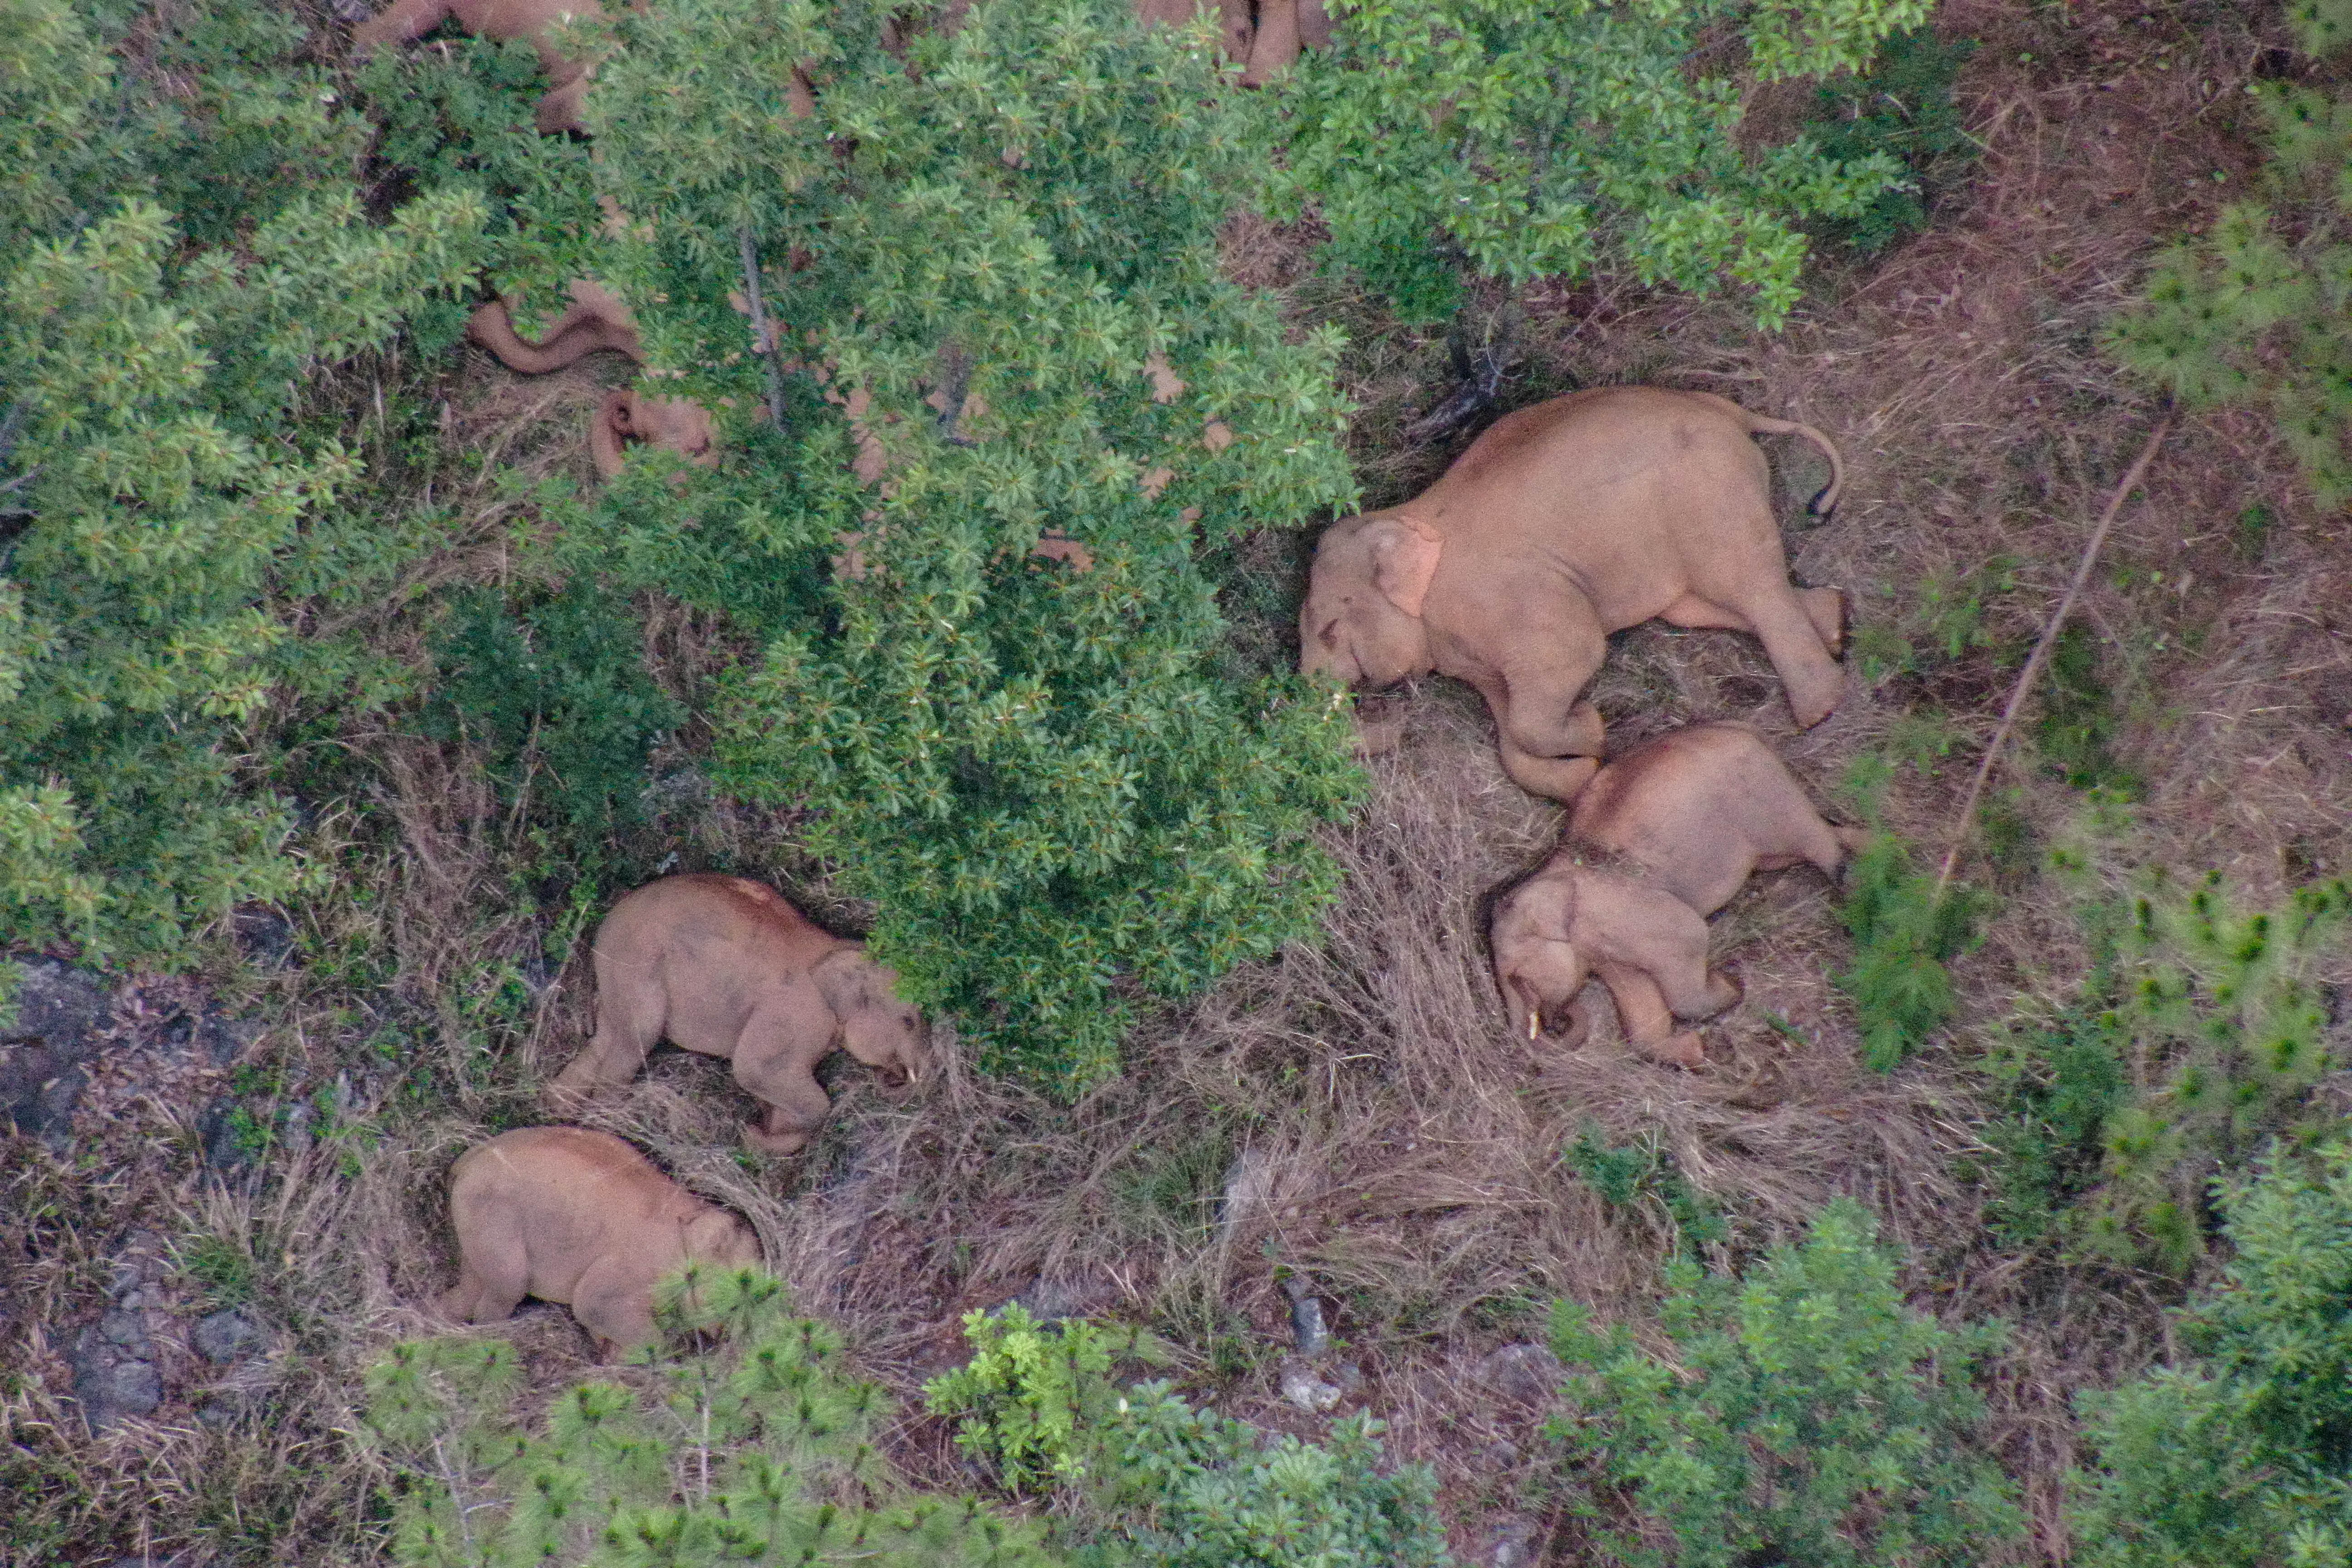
877 1027
714 1236
1539 970
1361 622
676 423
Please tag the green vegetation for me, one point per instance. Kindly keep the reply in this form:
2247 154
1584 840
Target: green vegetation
1641 1180
162 495
2253 311
1020 1401
1522 142
2236 1454
2195 1039
1902 108
756 1451
1905 931
1805 1415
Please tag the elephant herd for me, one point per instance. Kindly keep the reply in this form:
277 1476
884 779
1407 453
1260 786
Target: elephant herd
1562 523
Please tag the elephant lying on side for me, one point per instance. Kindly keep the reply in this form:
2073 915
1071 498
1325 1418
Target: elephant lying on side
1686 818
582 1219
567 79
726 967
1562 524
595 320
1265 35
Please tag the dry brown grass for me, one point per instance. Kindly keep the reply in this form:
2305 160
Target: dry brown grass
1362 1104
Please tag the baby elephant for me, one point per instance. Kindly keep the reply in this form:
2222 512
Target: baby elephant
726 967
582 1219
1688 816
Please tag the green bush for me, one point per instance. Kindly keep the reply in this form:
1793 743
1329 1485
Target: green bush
1059 803
2253 311
1905 931
157 489
2239 1453
757 1449
1022 1399
1495 139
1902 107
1803 1414
557 695
1643 1180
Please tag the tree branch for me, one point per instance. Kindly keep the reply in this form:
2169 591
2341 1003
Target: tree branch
764 338
2041 654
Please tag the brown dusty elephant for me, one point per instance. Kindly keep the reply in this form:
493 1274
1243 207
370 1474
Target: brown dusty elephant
1677 826
596 320
567 78
1564 522
1264 36
727 967
582 1219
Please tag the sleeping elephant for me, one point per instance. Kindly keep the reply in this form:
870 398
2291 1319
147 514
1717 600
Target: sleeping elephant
1564 522
567 79
726 967
1264 36
582 1219
596 320
679 424
1685 819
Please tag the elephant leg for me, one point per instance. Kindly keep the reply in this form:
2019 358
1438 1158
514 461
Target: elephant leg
1554 778
1649 1022
493 1276
399 22
614 1302
1814 680
632 1012
559 107
1551 738
1700 614
774 1063
1829 610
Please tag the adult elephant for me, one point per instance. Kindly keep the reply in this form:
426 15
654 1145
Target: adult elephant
1562 524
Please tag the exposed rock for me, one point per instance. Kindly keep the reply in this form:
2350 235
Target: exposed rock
39 1090
1249 1183
218 1036
126 1328
58 1007
1304 1389
1516 1543
1523 1374
1053 1299
225 1147
111 1383
225 1336
1308 1333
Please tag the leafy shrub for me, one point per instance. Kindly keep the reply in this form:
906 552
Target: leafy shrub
1804 1415
1039 774
1020 1399
2077 729
154 490
556 692
1905 931
1643 1180
754 1450
1902 107
1521 141
2239 1455
2254 312
1196 1490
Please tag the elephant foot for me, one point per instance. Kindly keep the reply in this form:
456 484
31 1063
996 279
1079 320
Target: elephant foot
1832 612
1723 992
1684 1049
768 1142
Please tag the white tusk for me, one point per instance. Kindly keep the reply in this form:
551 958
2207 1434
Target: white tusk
1535 1022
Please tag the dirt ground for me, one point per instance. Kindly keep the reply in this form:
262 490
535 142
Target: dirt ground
1360 1113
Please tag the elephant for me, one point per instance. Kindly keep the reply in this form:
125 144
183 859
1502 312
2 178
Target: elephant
1661 839
567 79
1563 522
727 967
582 1219
677 423
597 320
1264 36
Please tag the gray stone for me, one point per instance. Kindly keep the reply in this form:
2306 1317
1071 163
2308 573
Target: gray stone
40 1089
218 1036
225 1148
1304 1389
124 1329
110 1384
1053 1299
1515 1543
1306 1330
58 1006
1525 1375
225 1336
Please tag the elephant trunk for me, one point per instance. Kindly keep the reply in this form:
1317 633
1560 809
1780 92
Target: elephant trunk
609 431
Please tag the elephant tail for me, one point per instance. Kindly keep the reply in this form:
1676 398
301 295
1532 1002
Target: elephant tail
1825 499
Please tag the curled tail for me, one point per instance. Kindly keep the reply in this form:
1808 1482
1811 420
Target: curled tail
1825 499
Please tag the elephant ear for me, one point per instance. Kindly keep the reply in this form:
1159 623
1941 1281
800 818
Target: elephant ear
1404 561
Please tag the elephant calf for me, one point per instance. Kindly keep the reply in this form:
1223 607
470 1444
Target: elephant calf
726 967
1688 818
1562 524
582 1219
567 79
